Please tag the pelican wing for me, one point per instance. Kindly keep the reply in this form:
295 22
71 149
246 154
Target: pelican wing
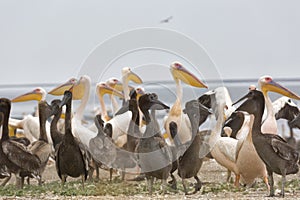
57 160
84 153
227 146
284 150
41 149
19 155
238 147
164 148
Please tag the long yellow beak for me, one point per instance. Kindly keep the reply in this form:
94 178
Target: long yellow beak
30 96
103 88
74 84
276 87
134 77
179 72
116 85
131 76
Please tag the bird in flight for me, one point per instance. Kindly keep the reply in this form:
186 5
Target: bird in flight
166 20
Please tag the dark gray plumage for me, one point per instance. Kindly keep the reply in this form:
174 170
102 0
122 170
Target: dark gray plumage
71 155
275 152
14 157
154 155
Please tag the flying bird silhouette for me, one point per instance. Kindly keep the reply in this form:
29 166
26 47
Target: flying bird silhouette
167 20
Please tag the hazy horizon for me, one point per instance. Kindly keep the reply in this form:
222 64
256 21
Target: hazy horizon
49 41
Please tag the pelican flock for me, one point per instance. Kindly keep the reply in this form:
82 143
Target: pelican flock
243 139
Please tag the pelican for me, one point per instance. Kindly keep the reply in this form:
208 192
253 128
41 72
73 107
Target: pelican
237 125
154 155
248 163
41 148
266 83
71 155
117 85
80 90
14 156
223 149
278 156
120 122
176 115
102 89
30 124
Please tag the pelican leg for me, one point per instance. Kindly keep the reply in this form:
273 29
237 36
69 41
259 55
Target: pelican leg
6 180
228 175
40 180
82 180
150 184
283 183
97 173
91 172
123 174
28 180
271 181
237 180
173 182
164 185
184 187
63 179
265 178
19 184
110 174
198 184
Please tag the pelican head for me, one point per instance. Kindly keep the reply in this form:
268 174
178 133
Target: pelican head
102 88
127 73
116 84
139 91
37 94
77 87
266 83
181 73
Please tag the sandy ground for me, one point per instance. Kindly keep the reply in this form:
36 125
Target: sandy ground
211 174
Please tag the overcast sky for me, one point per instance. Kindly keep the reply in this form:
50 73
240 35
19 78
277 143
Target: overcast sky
49 41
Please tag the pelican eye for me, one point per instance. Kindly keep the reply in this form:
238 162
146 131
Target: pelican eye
268 79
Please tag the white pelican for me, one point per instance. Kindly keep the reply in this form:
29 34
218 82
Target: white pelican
80 90
176 115
102 89
120 123
117 85
248 163
30 124
223 149
266 83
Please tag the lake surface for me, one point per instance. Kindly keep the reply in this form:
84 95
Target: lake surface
164 90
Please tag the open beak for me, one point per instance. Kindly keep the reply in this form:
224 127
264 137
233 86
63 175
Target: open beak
179 72
73 85
103 88
276 87
33 95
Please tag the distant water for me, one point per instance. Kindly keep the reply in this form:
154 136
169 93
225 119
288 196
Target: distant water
165 91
